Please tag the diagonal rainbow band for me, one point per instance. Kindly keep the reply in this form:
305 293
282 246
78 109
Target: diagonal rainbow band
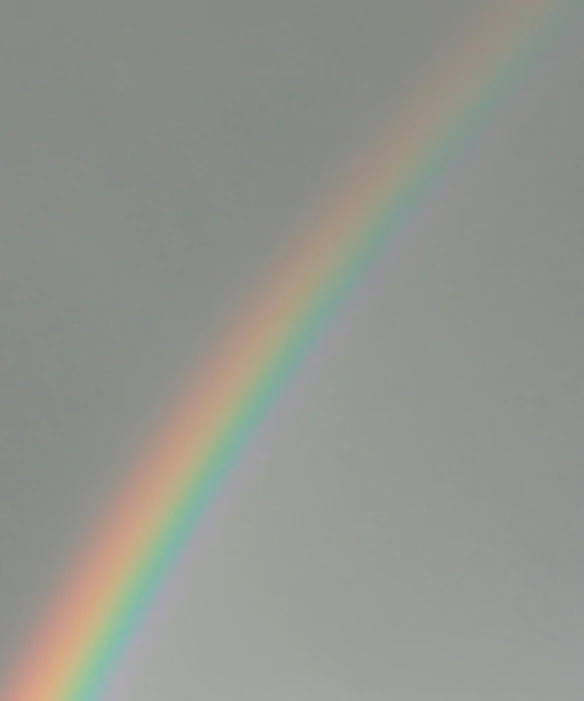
145 531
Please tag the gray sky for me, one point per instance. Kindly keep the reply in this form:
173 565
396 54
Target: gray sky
413 528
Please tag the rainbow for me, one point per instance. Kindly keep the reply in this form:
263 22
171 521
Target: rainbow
145 530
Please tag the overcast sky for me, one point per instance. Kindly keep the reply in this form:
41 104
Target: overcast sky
413 526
